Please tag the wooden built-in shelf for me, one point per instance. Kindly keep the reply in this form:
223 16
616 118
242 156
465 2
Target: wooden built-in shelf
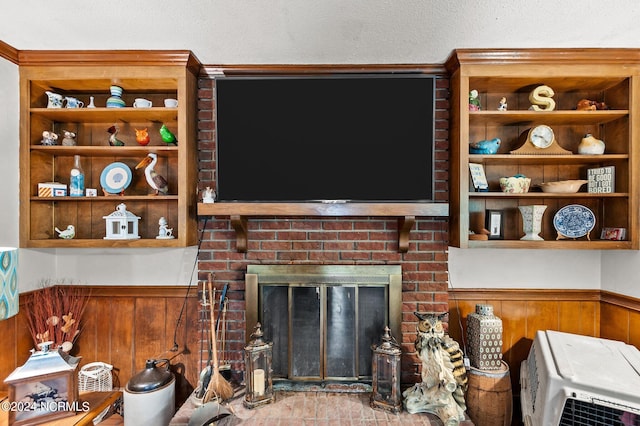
538 195
92 242
545 159
406 214
608 76
104 151
107 198
87 76
101 115
550 118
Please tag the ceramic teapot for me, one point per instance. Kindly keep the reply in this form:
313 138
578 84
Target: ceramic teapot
55 100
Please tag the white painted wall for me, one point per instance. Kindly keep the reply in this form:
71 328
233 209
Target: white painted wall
308 32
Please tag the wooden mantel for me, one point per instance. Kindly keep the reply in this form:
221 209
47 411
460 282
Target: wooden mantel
406 214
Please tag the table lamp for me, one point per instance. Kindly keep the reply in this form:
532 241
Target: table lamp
8 282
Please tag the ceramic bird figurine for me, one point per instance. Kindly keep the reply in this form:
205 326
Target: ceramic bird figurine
485 147
155 181
68 233
113 140
590 145
167 136
142 137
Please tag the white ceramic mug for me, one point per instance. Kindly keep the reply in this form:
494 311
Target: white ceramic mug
170 103
142 103
73 102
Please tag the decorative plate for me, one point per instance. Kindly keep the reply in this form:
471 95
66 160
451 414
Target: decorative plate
115 178
574 221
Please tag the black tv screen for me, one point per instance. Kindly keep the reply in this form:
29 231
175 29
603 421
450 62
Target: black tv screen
358 138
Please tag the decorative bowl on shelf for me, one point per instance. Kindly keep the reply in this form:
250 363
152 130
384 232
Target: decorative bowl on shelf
563 186
517 184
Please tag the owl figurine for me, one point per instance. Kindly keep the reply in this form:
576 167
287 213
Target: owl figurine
444 376
142 137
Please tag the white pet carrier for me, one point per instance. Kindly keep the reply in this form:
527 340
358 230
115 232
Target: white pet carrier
95 376
569 379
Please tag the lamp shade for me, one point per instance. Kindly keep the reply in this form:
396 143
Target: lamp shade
8 282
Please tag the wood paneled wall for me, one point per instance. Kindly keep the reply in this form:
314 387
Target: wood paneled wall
523 312
125 326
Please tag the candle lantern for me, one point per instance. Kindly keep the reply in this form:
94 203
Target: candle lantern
257 358
385 370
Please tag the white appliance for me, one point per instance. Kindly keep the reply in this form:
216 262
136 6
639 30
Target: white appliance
569 379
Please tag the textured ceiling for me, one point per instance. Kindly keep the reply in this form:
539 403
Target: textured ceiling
327 31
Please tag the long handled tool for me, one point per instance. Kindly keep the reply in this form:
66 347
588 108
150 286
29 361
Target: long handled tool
218 386
205 374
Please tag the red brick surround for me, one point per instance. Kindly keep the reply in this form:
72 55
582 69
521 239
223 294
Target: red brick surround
325 240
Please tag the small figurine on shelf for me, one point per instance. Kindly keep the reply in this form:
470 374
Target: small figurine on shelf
490 146
91 102
155 181
590 145
142 137
541 99
589 105
474 101
115 100
69 138
502 106
49 138
168 137
113 140
586 105
68 233
208 195
164 232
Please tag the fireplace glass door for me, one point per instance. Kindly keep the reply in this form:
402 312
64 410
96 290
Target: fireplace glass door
321 331
323 319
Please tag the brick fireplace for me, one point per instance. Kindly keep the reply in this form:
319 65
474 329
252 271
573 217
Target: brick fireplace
326 240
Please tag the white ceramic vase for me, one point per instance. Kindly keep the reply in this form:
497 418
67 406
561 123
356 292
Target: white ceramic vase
532 221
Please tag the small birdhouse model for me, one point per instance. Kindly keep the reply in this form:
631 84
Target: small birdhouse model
121 224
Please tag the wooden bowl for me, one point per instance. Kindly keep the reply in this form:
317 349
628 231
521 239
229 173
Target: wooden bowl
563 186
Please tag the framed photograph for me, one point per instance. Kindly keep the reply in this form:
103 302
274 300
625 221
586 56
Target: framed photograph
495 224
478 177
616 234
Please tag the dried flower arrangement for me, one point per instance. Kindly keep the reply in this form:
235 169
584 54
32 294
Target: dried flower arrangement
54 313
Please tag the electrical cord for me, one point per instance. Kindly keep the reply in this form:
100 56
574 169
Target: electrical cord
184 302
450 284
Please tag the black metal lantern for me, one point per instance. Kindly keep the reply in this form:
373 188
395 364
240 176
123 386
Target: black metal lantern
385 370
257 358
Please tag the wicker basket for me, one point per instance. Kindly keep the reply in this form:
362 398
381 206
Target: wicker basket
95 376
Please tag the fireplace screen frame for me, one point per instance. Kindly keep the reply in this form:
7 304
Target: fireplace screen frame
323 278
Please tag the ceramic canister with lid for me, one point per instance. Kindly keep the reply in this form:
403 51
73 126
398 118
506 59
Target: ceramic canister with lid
484 334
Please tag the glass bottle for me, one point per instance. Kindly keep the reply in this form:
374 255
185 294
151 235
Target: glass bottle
76 186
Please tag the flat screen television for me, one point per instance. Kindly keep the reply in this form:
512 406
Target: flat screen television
330 138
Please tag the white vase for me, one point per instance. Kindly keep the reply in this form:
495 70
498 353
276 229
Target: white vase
532 221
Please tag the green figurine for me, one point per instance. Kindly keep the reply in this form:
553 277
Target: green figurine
474 101
167 136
